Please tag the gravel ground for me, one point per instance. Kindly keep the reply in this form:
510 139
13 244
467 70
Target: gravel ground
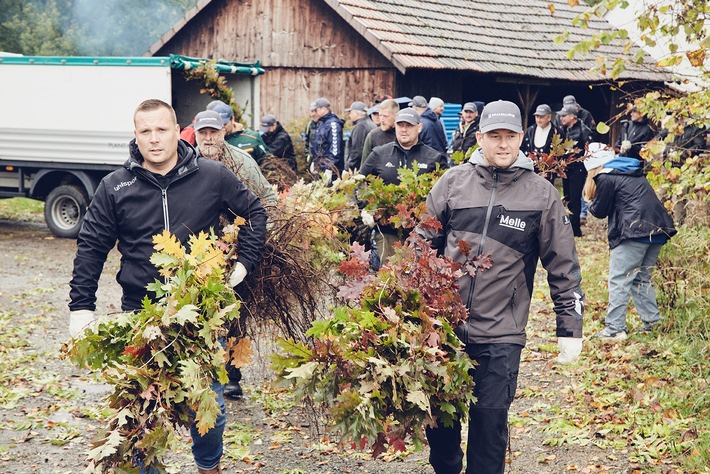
48 407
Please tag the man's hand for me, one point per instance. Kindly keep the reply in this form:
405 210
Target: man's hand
79 320
238 275
570 348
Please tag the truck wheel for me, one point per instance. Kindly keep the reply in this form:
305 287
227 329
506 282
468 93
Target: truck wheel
64 211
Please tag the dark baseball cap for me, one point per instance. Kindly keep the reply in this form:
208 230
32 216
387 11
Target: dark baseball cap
543 109
408 115
321 102
208 119
357 105
225 112
569 109
501 114
266 122
418 101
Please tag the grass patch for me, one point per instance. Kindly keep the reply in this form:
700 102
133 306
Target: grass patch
650 394
21 208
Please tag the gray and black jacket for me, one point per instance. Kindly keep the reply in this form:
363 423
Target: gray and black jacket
517 218
131 205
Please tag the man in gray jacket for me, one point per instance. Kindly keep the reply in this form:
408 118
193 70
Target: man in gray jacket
488 202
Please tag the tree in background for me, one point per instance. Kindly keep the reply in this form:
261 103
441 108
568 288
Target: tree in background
86 27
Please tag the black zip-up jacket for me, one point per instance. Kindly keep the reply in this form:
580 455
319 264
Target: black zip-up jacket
638 133
464 138
631 204
131 205
281 145
385 160
517 218
432 133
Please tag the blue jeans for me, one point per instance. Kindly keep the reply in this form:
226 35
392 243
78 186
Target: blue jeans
630 268
583 212
207 450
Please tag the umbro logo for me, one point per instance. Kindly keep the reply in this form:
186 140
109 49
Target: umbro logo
512 223
389 165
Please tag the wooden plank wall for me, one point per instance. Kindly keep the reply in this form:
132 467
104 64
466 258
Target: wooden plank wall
307 50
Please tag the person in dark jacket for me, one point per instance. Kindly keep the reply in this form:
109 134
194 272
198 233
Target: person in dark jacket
583 115
432 133
464 137
309 134
238 136
385 133
328 147
164 185
638 227
278 140
496 203
573 184
537 140
385 160
357 114
635 133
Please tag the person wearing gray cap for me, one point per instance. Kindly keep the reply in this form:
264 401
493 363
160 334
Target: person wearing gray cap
498 205
432 133
537 141
357 114
278 140
575 172
164 186
464 137
583 114
239 136
328 149
385 161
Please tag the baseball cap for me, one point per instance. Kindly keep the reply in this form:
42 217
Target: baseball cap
568 109
435 102
501 114
321 102
408 115
470 106
543 109
266 122
357 105
225 112
373 110
208 119
569 100
418 101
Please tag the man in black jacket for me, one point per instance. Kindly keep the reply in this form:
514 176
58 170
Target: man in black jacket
537 140
357 114
278 140
635 133
575 171
164 185
385 160
385 132
464 137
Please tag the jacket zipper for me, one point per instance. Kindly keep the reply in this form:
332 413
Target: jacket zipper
166 212
489 211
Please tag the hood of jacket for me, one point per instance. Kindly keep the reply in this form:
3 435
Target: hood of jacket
623 164
523 161
187 157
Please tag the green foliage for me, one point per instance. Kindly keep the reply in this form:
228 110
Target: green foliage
21 208
391 362
215 85
162 360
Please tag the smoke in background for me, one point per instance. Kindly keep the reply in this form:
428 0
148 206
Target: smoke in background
122 27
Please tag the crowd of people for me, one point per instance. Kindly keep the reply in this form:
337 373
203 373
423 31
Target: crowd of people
497 200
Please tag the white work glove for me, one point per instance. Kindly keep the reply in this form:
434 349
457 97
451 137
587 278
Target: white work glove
312 168
367 218
625 146
79 320
238 274
328 176
570 348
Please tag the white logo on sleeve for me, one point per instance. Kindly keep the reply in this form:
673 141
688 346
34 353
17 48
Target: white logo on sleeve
513 223
389 165
578 303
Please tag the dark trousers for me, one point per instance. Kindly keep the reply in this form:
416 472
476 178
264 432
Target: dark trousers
496 379
572 187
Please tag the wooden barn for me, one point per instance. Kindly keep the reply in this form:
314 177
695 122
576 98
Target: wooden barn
459 50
